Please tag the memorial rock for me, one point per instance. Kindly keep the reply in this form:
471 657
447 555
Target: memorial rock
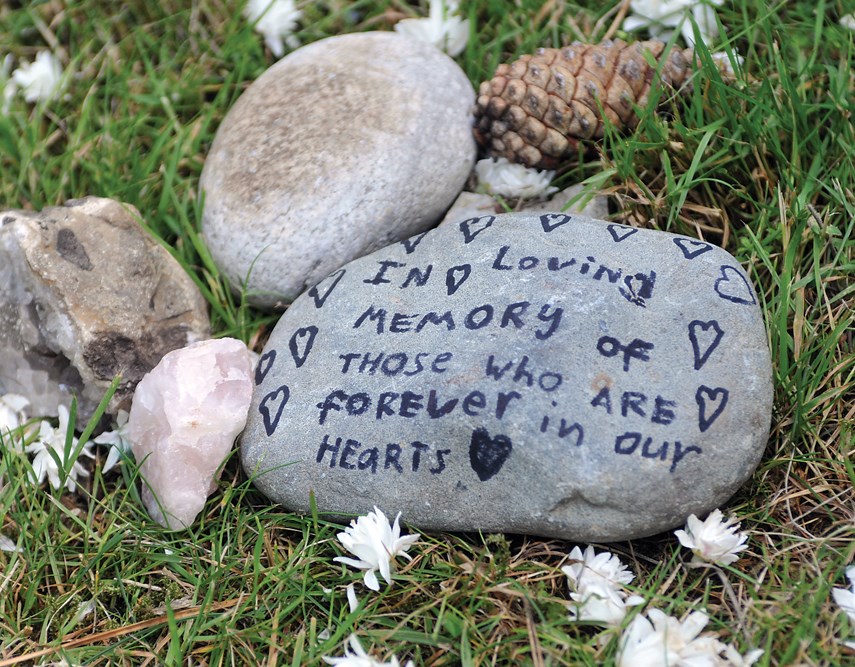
533 373
342 147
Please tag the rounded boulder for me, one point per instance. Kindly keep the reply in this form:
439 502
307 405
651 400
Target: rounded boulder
342 147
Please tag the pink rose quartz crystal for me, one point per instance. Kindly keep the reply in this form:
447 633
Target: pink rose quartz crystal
185 416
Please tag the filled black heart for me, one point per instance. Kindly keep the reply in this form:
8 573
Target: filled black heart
488 454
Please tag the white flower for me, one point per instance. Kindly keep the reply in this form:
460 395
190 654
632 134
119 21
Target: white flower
659 17
442 28
12 417
41 80
713 540
845 597
591 568
52 439
664 641
596 583
848 21
509 179
118 439
375 544
276 20
355 656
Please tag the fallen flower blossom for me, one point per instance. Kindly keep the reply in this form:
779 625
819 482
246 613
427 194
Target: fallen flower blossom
659 640
49 446
375 544
442 28
41 80
356 656
660 17
509 179
276 20
596 582
713 540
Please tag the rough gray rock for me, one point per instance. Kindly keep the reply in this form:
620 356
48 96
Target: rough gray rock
340 148
541 374
85 294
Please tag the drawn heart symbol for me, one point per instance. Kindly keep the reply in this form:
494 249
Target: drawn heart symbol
734 287
705 337
271 407
320 294
474 226
706 398
487 455
691 248
264 366
620 232
411 243
550 221
301 344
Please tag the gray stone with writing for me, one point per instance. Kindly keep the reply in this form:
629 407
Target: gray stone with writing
534 373
342 147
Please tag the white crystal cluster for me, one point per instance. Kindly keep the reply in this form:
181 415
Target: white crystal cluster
185 416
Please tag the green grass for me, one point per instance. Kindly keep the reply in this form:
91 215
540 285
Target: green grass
764 167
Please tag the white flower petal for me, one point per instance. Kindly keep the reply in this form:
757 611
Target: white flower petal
845 598
370 579
8 545
848 21
352 600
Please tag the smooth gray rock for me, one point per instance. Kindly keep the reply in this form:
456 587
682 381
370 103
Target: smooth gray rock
86 294
340 148
541 374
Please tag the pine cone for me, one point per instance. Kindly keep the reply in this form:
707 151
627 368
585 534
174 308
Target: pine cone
535 110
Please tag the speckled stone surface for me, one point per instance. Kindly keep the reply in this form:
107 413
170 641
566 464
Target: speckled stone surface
87 294
342 147
534 373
